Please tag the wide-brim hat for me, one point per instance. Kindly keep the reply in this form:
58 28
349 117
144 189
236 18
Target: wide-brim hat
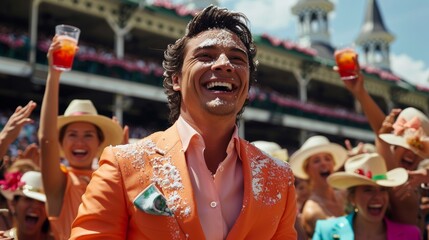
272 149
367 169
32 187
82 110
411 131
314 145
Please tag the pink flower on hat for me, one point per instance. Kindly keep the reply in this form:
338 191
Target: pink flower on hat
12 181
412 132
401 125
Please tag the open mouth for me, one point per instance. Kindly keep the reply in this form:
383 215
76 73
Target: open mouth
325 174
79 153
375 209
407 163
31 218
219 86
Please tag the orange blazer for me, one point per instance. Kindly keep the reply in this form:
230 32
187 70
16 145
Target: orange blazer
108 210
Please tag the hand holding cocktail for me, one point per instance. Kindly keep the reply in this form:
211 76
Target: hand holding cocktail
347 63
63 55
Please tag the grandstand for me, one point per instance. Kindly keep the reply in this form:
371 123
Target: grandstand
119 68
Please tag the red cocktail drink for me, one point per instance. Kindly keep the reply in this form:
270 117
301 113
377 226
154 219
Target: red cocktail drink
348 67
63 57
68 37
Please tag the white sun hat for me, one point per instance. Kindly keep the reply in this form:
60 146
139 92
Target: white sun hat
29 185
367 169
411 131
273 149
314 145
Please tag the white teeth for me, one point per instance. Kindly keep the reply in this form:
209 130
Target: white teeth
33 215
375 206
407 160
79 151
220 84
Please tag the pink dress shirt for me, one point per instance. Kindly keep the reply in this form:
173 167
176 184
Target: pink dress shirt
219 197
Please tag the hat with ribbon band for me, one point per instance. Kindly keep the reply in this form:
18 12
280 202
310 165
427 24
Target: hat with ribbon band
411 131
367 169
83 110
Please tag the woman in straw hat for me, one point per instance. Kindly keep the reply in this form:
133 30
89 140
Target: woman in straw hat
396 153
17 168
27 204
403 140
367 183
79 136
315 161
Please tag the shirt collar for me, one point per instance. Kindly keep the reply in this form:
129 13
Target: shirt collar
187 132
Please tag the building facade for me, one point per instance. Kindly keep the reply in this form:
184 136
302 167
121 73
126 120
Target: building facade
119 67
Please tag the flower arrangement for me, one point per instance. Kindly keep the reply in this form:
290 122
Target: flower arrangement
12 181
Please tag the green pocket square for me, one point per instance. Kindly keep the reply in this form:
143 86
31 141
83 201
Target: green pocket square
151 201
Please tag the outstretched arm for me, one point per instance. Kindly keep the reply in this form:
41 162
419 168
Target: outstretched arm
370 108
54 180
14 125
383 148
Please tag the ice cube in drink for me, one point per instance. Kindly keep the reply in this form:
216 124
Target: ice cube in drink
347 63
63 57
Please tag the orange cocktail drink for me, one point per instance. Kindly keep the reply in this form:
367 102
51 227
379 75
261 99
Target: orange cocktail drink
68 37
63 57
347 63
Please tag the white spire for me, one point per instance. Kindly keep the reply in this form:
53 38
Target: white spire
313 21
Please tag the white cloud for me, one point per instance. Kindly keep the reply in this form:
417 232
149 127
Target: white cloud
414 71
266 16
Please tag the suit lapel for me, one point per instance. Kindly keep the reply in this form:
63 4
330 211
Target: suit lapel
171 176
249 211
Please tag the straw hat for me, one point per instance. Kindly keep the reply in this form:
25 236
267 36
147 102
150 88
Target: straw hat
29 185
312 146
272 149
411 131
367 169
81 110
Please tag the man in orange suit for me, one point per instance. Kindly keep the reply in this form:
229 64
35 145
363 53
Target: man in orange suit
197 179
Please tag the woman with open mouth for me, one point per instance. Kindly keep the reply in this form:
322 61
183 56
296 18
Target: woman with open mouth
27 206
367 183
315 161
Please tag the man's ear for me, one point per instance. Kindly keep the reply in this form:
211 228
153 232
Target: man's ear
176 82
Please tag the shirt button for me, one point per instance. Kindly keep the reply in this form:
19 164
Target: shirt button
213 204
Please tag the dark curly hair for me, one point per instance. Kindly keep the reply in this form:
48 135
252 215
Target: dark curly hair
210 18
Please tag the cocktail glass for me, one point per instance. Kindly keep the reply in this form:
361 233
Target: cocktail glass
347 63
69 37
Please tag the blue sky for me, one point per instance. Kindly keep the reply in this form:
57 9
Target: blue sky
406 20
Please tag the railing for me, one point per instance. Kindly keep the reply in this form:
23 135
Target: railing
100 61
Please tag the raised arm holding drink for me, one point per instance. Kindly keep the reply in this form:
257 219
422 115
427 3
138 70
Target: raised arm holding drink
347 63
63 57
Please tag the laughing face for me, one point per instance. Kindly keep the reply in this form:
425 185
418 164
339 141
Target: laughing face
407 158
80 144
371 202
30 215
320 166
214 80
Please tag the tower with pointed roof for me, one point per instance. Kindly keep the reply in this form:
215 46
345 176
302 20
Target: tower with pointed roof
374 38
313 25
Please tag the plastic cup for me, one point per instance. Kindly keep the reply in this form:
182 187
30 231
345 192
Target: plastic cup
69 37
347 64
